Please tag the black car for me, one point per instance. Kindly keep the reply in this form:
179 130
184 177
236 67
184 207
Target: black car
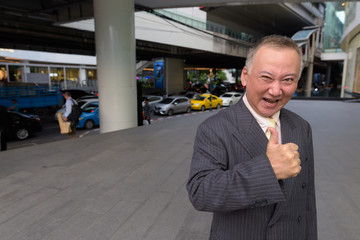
198 87
219 90
23 125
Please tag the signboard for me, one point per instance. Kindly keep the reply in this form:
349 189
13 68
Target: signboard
159 73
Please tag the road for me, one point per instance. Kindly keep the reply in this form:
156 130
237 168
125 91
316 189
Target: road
51 132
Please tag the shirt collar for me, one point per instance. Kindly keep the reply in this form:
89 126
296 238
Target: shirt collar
263 121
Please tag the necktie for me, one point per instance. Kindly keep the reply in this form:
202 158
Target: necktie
272 123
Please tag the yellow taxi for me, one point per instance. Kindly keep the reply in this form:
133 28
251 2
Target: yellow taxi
202 102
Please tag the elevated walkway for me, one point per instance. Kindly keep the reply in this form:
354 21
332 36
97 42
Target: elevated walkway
130 184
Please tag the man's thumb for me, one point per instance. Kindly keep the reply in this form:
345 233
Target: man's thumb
274 137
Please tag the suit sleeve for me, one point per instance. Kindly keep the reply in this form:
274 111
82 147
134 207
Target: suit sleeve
214 187
311 228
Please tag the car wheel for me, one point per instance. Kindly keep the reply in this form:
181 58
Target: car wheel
170 112
22 134
89 124
188 110
218 106
230 104
202 108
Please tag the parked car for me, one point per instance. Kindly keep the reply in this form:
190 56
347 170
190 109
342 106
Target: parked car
90 116
189 94
198 87
219 90
171 105
152 99
88 97
77 93
238 87
23 125
230 98
202 102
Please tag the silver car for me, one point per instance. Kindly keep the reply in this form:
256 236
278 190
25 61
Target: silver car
171 105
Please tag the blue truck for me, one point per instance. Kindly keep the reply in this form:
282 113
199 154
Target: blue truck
33 99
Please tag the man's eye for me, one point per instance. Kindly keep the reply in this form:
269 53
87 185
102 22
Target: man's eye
266 77
288 79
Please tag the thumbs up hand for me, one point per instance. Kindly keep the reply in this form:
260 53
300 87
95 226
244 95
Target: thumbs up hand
284 158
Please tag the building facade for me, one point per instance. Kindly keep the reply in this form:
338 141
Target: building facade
350 43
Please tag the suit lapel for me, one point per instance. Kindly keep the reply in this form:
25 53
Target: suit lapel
249 132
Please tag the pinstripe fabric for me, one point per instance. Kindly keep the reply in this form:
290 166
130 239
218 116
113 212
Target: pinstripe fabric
231 176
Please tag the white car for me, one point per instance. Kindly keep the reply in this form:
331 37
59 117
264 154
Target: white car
230 98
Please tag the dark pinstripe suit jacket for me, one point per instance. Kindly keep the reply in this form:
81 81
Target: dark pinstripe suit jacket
231 176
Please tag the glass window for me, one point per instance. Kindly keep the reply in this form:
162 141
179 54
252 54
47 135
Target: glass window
35 69
57 76
37 74
199 98
3 80
91 76
90 108
72 77
167 100
15 73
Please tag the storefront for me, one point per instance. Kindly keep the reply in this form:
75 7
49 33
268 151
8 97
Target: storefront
63 76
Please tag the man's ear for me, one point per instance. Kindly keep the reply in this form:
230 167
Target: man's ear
244 76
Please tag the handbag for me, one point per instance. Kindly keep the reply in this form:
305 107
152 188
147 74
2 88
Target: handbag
65 127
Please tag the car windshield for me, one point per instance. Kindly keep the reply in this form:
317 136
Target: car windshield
227 95
90 108
200 98
167 100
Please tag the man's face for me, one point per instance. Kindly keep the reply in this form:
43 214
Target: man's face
272 79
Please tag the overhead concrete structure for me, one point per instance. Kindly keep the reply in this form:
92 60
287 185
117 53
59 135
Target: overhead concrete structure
212 3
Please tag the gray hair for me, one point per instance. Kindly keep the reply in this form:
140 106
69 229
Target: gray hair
275 41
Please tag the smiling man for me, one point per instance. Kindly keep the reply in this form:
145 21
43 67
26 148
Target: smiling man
253 163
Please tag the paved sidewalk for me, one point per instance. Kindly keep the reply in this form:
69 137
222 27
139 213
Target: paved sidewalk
130 184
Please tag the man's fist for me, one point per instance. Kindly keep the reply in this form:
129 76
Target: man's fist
284 158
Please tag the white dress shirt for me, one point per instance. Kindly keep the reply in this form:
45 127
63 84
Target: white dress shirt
263 121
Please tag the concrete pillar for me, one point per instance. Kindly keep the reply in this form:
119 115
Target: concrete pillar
115 50
310 70
174 75
328 74
343 80
82 77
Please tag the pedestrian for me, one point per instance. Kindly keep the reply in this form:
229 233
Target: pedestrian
4 127
258 188
68 109
147 111
14 107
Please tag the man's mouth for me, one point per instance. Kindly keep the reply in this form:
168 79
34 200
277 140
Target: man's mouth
271 101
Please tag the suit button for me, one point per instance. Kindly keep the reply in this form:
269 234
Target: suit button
303 185
306 159
299 219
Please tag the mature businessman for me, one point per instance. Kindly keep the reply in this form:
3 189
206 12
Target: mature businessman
257 188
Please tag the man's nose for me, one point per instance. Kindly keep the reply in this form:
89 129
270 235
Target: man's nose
275 88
